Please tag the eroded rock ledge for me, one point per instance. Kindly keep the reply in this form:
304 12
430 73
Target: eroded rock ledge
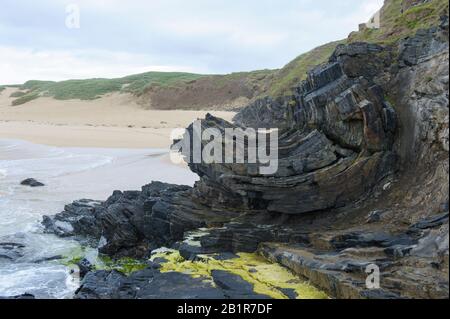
360 182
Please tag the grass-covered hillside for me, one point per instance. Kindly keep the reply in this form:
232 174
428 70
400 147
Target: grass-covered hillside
94 88
399 19
403 18
218 92
295 71
162 90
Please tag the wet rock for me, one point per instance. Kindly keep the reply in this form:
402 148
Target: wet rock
227 256
245 237
81 218
124 224
152 284
46 259
234 287
168 286
100 285
24 296
85 267
31 182
430 222
146 284
370 239
343 275
11 251
434 244
374 217
379 294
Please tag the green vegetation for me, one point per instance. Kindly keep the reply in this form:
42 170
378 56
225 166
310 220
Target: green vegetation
267 278
255 77
26 98
396 24
72 261
296 71
91 89
18 94
102 262
125 265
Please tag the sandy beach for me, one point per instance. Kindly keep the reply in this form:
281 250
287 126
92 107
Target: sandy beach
113 121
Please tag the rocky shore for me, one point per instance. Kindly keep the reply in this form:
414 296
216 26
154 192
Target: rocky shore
362 180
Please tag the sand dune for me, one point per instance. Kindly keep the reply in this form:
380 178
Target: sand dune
114 120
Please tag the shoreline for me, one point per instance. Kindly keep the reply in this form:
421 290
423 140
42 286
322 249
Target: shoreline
86 136
113 121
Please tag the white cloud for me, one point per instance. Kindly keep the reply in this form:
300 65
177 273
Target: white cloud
122 37
20 65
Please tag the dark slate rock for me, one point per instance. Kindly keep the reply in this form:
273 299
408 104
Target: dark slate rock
423 45
430 222
290 293
31 182
225 256
443 207
100 285
81 218
361 59
51 258
126 222
379 294
234 287
85 267
170 285
398 251
370 239
11 251
24 297
145 284
374 217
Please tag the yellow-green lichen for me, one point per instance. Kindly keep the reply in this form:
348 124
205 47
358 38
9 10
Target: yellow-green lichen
126 266
73 257
267 278
102 262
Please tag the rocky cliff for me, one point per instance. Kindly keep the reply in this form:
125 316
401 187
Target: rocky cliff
362 181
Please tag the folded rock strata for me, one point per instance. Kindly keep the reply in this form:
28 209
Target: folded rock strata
362 180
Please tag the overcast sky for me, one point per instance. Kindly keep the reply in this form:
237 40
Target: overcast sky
117 37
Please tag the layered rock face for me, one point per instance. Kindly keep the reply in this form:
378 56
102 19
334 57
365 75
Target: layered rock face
336 143
362 182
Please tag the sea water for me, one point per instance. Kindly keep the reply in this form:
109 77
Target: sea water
69 174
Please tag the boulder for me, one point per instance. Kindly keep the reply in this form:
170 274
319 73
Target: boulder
11 251
31 182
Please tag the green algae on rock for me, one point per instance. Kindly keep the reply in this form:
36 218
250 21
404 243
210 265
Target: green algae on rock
267 278
126 266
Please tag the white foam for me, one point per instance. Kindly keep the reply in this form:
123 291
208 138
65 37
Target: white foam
69 174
